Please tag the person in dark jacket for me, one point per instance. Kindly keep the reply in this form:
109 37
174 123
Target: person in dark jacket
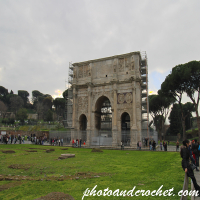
154 145
190 150
195 150
165 146
185 154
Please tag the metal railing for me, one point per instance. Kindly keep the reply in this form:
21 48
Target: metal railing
185 187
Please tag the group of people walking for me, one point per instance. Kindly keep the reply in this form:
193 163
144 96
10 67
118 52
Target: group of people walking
152 145
13 139
56 141
163 145
77 143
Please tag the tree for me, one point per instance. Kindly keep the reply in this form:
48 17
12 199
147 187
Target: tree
42 103
192 82
186 115
24 95
65 94
174 86
48 102
59 104
3 93
159 109
16 102
3 109
36 97
49 115
184 78
175 120
22 115
181 121
39 109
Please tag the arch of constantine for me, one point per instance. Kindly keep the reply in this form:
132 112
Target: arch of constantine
110 100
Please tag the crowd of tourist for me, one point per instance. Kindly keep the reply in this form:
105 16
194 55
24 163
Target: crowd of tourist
13 139
77 143
38 140
152 146
56 141
18 139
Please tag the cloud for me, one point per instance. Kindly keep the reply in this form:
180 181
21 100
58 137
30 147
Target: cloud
40 38
57 93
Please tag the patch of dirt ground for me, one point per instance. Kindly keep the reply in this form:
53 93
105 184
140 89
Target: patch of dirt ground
78 175
8 151
9 185
56 196
96 150
19 166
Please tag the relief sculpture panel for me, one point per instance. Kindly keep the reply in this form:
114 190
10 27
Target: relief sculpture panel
127 64
123 98
121 65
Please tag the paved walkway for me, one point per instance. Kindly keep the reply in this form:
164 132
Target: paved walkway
197 176
169 148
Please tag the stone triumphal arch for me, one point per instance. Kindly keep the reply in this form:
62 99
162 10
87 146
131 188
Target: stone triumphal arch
110 100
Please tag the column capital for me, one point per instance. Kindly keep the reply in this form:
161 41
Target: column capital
89 93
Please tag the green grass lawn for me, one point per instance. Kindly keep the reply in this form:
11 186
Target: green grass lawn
43 173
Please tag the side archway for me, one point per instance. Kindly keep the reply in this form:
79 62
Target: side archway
82 122
82 128
125 129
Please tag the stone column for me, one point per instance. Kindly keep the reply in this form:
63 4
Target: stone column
89 116
114 126
133 131
74 107
138 110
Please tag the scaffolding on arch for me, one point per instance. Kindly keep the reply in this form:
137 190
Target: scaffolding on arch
69 98
144 95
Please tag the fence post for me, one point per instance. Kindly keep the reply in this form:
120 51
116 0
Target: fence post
185 187
192 188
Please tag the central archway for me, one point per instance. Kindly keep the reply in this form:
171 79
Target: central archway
103 117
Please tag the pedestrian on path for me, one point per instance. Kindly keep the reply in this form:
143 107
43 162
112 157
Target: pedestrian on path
185 154
177 145
80 141
195 147
161 145
140 145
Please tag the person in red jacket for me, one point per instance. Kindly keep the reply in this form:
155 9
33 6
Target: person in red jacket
73 143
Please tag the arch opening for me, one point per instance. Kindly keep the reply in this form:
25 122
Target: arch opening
103 117
82 122
83 127
125 129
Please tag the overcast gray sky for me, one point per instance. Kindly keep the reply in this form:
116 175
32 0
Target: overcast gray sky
38 38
